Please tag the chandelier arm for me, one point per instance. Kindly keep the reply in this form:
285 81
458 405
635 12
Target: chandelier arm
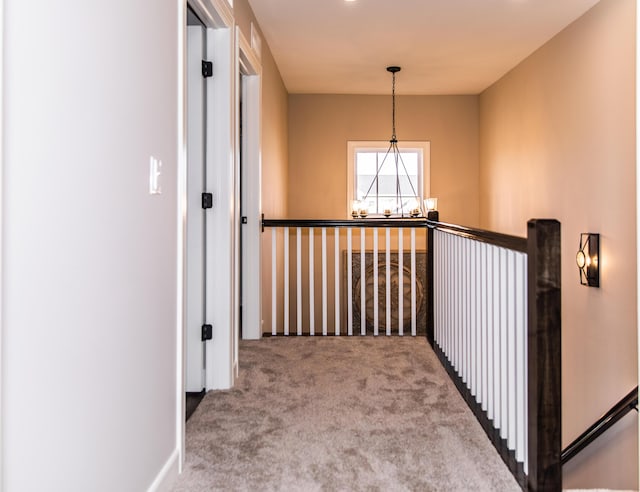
406 172
399 207
399 190
398 157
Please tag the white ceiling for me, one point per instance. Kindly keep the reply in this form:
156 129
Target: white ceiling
443 46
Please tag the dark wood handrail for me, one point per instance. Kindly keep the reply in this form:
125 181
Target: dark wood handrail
515 243
605 422
373 222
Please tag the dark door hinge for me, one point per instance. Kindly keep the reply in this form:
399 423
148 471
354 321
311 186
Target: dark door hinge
243 219
207 200
207 69
207 332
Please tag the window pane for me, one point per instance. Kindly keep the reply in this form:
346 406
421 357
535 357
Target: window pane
366 163
398 179
410 161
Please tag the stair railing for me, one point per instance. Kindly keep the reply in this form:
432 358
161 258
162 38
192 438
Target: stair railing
619 410
494 321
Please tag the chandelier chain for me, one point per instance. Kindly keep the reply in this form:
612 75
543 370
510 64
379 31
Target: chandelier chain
393 105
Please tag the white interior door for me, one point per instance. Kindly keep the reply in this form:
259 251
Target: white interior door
196 224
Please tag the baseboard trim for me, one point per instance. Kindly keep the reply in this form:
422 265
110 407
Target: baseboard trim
167 476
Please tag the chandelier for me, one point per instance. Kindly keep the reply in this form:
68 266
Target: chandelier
406 202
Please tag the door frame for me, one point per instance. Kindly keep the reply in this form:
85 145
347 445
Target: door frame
250 70
1 230
218 18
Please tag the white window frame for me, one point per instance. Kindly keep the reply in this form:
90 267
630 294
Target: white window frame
382 146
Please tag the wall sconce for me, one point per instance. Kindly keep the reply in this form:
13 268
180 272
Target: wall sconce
588 259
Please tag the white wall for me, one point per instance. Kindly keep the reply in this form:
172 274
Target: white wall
89 279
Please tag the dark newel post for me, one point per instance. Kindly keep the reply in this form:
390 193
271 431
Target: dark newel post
431 215
544 356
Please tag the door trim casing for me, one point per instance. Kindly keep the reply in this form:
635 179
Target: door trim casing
250 69
218 18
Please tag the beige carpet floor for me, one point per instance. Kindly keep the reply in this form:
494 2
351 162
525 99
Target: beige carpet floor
338 413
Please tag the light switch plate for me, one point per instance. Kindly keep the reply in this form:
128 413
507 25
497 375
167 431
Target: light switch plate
155 171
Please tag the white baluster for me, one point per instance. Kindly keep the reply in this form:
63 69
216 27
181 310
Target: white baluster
439 260
286 281
349 282
387 289
375 282
413 282
460 304
483 329
312 300
511 349
452 298
363 292
336 290
478 324
465 311
457 301
468 308
442 291
504 368
324 281
299 281
521 326
274 283
445 322
495 336
525 376
400 282
472 321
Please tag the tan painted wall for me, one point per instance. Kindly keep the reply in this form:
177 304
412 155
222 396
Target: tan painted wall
321 125
274 141
557 139
274 121
274 163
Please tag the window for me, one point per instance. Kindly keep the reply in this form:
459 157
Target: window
379 196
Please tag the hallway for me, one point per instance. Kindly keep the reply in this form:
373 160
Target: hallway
338 413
